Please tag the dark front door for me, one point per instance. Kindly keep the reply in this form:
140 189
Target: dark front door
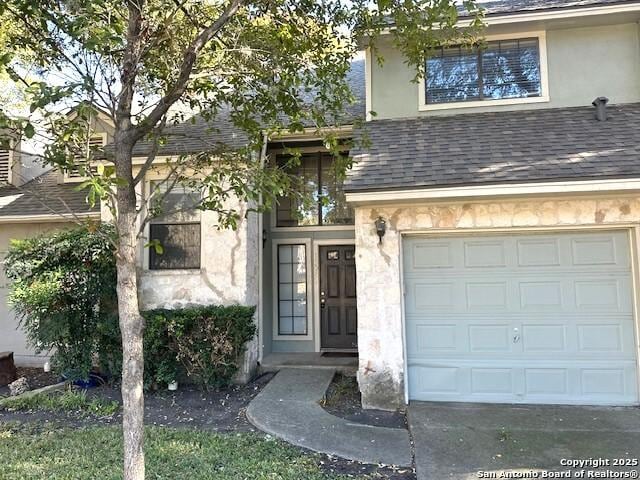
338 312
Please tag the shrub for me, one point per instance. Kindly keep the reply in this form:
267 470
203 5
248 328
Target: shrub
64 292
203 343
63 289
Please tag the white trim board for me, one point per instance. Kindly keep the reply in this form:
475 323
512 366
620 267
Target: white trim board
555 14
560 13
49 218
503 190
367 84
275 243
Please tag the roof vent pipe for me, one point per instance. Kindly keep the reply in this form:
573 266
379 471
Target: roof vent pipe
601 108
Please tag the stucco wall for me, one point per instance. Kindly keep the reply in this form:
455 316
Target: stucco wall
12 338
228 275
583 63
381 364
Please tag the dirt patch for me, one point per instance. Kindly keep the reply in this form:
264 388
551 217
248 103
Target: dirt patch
36 377
343 400
217 410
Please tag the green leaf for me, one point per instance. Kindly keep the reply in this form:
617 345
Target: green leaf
29 130
157 246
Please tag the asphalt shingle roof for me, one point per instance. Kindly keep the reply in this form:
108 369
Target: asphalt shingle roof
506 7
44 196
197 134
498 147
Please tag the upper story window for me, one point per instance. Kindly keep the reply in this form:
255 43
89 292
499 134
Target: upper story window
500 70
177 229
322 185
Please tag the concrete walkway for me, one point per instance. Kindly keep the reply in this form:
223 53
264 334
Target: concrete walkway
288 408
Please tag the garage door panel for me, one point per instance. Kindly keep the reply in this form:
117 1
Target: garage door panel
561 335
539 252
546 382
597 250
553 383
567 292
487 253
536 318
430 256
545 337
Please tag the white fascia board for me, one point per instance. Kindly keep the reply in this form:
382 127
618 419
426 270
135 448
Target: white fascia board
48 218
560 13
496 191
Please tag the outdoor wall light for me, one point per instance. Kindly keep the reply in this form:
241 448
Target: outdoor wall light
381 227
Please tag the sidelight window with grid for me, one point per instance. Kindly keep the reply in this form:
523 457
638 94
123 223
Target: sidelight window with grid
292 290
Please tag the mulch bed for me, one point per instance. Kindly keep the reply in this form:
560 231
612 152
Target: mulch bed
220 411
36 377
343 400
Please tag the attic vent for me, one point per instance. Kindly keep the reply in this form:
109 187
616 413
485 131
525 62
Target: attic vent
95 142
4 166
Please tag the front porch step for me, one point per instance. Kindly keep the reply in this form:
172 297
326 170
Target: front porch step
274 362
288 408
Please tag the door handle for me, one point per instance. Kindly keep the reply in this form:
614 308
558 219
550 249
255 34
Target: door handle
322 300
516 335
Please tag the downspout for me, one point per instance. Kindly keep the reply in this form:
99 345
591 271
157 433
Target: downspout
263 156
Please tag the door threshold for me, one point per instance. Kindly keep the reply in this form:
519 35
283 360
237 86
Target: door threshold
347 351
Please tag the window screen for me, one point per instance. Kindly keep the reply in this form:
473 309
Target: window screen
292 290
501 69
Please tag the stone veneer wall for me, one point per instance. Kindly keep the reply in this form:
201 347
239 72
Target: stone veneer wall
381 362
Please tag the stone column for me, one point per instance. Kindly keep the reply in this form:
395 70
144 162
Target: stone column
381 364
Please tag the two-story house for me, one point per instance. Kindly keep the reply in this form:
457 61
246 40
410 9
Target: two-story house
484 246
508 271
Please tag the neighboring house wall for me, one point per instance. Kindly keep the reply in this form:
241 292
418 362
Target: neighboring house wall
12 338
380 300
583 63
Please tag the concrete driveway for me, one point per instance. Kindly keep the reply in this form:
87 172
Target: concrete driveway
472 441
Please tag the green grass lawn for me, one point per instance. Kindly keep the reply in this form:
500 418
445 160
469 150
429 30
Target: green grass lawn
96 453
66 401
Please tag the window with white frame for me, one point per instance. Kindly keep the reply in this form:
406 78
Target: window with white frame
176 228
497 70
292 289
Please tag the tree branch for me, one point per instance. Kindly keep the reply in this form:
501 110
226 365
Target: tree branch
179 87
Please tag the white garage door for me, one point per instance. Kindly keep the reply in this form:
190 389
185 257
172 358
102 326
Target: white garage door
521 318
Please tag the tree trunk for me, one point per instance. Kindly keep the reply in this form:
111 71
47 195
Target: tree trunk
132 327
